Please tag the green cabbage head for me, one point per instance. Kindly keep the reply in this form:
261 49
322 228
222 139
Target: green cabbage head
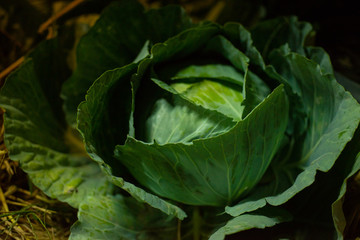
198 118
188 132
213 121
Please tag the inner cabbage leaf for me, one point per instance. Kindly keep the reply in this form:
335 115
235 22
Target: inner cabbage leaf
183 123
216 96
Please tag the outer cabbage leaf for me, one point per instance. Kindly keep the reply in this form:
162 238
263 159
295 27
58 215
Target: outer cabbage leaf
35 133
267 217
333 117
272 34
110 125
185 43
118 217
196 173
254 92
99 120
202 43
242 40
344 206
318 55
115 40
311 208
225 48
349 85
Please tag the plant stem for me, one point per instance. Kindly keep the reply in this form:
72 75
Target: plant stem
10 68
179 230
196 223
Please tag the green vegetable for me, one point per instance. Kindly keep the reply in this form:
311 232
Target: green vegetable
214 126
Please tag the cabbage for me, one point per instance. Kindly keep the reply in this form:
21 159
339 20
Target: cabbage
205 128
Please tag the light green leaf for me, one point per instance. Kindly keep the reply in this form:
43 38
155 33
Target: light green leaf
170 124
333 117
117 217
35 133
196 173
217 95
144 52
215 87
221 97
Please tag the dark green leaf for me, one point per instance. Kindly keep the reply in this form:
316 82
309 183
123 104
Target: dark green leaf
117 217
104 47
333 116
227 50
166 22
184 44
116 40
342 207
262 219
255 91
241 39
274 33
319 56
35 133
349 85
103 120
